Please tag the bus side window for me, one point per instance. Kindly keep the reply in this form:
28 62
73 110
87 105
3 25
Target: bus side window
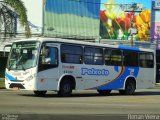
93 56
48 58
98 56
116 57
49 55
107 56
130 58
71 54
88 55
146 60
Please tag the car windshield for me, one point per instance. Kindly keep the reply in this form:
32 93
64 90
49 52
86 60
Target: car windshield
23 55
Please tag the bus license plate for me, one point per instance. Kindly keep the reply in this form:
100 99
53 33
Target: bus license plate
15 88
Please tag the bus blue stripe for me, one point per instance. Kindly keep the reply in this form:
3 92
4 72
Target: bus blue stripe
119 82
10 77
128 48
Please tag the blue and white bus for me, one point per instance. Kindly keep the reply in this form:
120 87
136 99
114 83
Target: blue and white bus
44 64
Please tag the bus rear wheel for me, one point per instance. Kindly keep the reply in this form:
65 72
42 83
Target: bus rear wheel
130 88
104 92
40 93
65 88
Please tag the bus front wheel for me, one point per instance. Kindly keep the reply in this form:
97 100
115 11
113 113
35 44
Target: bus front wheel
130 88
104 92
65 88
40 93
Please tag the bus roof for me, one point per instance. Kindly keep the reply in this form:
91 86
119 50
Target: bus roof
71 41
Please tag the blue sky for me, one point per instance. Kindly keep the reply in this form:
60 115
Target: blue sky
146 3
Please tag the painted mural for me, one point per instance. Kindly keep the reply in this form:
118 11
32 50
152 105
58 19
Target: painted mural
71 18
125 20
91 19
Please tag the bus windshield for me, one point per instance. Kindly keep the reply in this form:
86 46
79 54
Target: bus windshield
23 55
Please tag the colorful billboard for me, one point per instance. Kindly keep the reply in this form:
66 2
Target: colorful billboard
125 20
91 19
71 18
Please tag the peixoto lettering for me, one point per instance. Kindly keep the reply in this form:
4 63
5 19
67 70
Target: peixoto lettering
93 71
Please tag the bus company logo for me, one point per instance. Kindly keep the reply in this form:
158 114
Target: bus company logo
93 71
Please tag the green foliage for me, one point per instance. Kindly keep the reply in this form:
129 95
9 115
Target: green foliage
19 7
2 83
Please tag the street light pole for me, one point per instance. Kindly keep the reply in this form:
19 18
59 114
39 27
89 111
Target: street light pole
134 7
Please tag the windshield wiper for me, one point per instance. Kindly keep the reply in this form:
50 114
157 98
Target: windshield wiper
19 62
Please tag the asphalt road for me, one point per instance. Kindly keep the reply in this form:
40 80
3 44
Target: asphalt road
81 103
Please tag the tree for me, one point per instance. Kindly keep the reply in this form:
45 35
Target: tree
19 7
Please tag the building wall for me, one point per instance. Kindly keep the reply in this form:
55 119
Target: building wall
72 18
155 22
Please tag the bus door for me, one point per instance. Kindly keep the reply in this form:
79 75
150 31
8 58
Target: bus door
48 72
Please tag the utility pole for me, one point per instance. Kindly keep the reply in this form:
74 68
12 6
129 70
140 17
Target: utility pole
133 8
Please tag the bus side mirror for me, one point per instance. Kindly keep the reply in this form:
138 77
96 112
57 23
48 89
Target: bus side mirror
4 49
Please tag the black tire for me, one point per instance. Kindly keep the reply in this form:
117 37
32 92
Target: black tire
65 88
40 93
104 92
130 88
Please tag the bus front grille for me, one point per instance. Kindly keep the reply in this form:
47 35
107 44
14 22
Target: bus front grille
16 85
